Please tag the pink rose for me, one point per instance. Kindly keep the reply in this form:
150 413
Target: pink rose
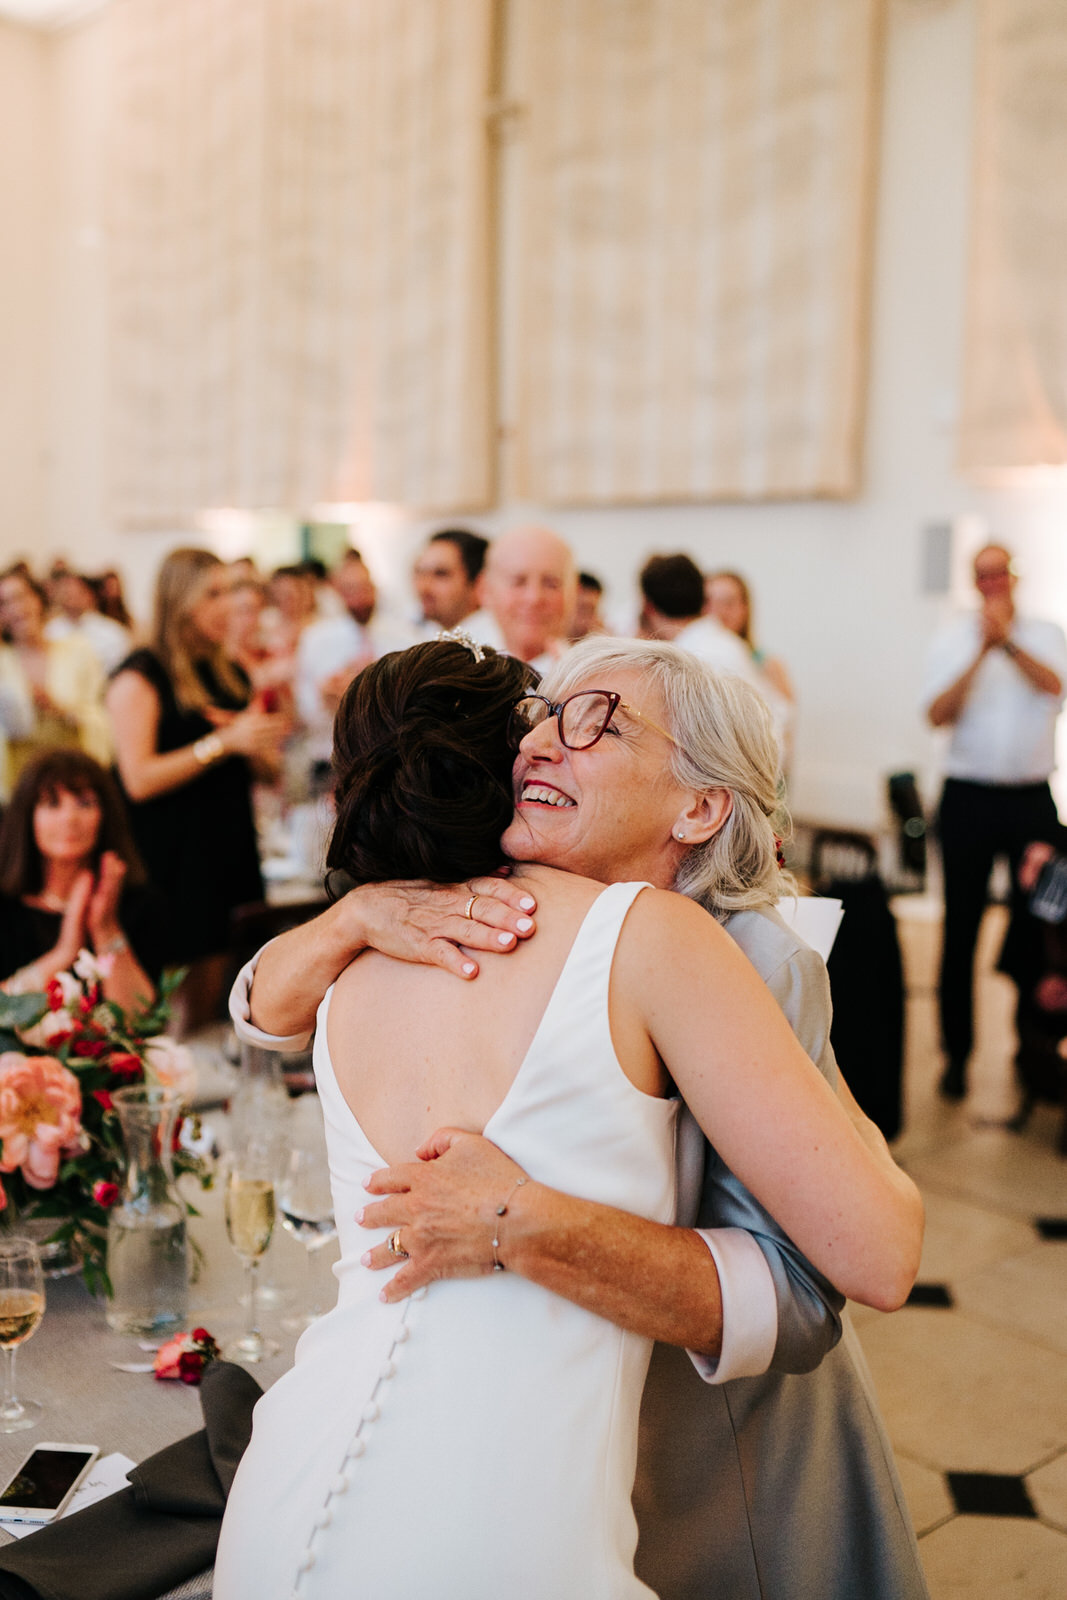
105 1194
40 1116
185 1356
169 1355
172 1065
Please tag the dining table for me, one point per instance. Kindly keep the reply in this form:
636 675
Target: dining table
96 1386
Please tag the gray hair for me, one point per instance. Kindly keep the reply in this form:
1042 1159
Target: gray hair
726 740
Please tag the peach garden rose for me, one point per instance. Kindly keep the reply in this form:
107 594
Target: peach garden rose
40 1116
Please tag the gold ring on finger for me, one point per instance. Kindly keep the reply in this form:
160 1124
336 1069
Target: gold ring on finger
468 910
395 1247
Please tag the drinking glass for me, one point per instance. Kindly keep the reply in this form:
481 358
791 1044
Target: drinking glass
306 1207
21 1309
250 1223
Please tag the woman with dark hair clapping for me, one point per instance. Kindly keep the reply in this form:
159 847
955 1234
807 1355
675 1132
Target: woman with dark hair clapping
71 878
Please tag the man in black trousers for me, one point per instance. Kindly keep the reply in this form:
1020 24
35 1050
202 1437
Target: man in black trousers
996 679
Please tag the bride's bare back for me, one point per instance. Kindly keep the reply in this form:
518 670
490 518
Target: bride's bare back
414 1050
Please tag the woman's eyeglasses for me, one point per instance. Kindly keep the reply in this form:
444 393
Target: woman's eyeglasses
582 718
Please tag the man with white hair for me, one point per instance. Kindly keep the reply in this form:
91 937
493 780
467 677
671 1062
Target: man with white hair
527 589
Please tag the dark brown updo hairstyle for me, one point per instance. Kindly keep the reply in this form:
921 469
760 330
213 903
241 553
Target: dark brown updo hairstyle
21 867
422 765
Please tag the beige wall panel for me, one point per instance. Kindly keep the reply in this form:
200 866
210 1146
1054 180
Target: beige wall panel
299 254
1015 397
26 174
696 244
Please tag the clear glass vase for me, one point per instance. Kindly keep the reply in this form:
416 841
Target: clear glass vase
147 1255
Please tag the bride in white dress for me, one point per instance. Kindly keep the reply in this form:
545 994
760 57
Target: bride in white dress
478 1440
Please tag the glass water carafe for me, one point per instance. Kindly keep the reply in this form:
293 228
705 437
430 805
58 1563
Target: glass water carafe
147 1258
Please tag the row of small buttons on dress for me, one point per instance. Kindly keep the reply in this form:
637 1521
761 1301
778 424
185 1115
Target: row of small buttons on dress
358 1443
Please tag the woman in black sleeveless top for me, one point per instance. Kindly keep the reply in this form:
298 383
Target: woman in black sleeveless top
188 743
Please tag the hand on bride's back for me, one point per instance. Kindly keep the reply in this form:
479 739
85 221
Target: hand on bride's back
445 1208
427 923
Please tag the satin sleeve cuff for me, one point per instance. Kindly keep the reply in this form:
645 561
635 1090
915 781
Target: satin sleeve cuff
241 1015
749 1308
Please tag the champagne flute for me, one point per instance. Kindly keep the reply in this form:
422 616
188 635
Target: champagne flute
306 1205
21 1309
250 1223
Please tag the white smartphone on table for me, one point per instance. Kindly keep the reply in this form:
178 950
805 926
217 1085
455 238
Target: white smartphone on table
43 1484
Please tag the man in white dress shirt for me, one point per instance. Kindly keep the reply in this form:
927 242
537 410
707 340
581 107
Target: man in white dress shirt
527 591
77 613
996 680
332 650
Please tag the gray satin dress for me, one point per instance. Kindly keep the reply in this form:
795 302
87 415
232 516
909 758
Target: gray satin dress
780 1487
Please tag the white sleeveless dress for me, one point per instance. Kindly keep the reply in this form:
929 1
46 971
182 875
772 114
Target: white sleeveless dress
478 1440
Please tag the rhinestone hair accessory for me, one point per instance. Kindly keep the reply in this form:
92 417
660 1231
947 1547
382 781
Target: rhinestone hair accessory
457 636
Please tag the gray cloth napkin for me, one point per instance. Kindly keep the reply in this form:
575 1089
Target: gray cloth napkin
161 1530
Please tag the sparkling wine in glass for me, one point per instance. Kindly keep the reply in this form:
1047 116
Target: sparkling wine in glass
306 1206
250 1223
21 1309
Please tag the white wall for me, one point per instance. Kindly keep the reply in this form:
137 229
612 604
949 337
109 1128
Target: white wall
838 584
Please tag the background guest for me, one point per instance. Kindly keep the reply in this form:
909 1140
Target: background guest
61 679
587 618
112 598
446 578
996 680
71 878
728 599
527 592
291 609
333 649
672 599
188 743
78 613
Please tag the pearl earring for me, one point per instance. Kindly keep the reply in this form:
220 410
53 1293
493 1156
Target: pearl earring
679 835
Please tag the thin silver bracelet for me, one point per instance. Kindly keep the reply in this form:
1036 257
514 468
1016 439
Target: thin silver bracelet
502 1211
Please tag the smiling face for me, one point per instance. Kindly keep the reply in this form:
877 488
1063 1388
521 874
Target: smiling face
529 585
21 610
66 825
210 606
609 812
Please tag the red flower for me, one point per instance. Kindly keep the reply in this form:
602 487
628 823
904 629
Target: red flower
105 1194
190 1366
85 1005
126 1066
90 1048
103 1098
54 991
201 1336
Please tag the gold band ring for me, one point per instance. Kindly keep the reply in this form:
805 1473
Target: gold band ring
468 910
395 1247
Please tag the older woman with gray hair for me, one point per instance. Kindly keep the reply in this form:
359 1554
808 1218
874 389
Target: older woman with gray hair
757 1481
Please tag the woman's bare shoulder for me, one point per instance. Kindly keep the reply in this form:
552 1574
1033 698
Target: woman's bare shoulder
665 932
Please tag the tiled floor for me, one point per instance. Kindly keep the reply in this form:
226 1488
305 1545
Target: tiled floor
974 1391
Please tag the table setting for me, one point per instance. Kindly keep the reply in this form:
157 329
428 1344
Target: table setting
200 1243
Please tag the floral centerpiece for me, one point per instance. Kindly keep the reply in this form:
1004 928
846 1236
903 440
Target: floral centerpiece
62 1055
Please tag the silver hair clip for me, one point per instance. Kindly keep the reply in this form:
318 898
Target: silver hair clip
457 636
